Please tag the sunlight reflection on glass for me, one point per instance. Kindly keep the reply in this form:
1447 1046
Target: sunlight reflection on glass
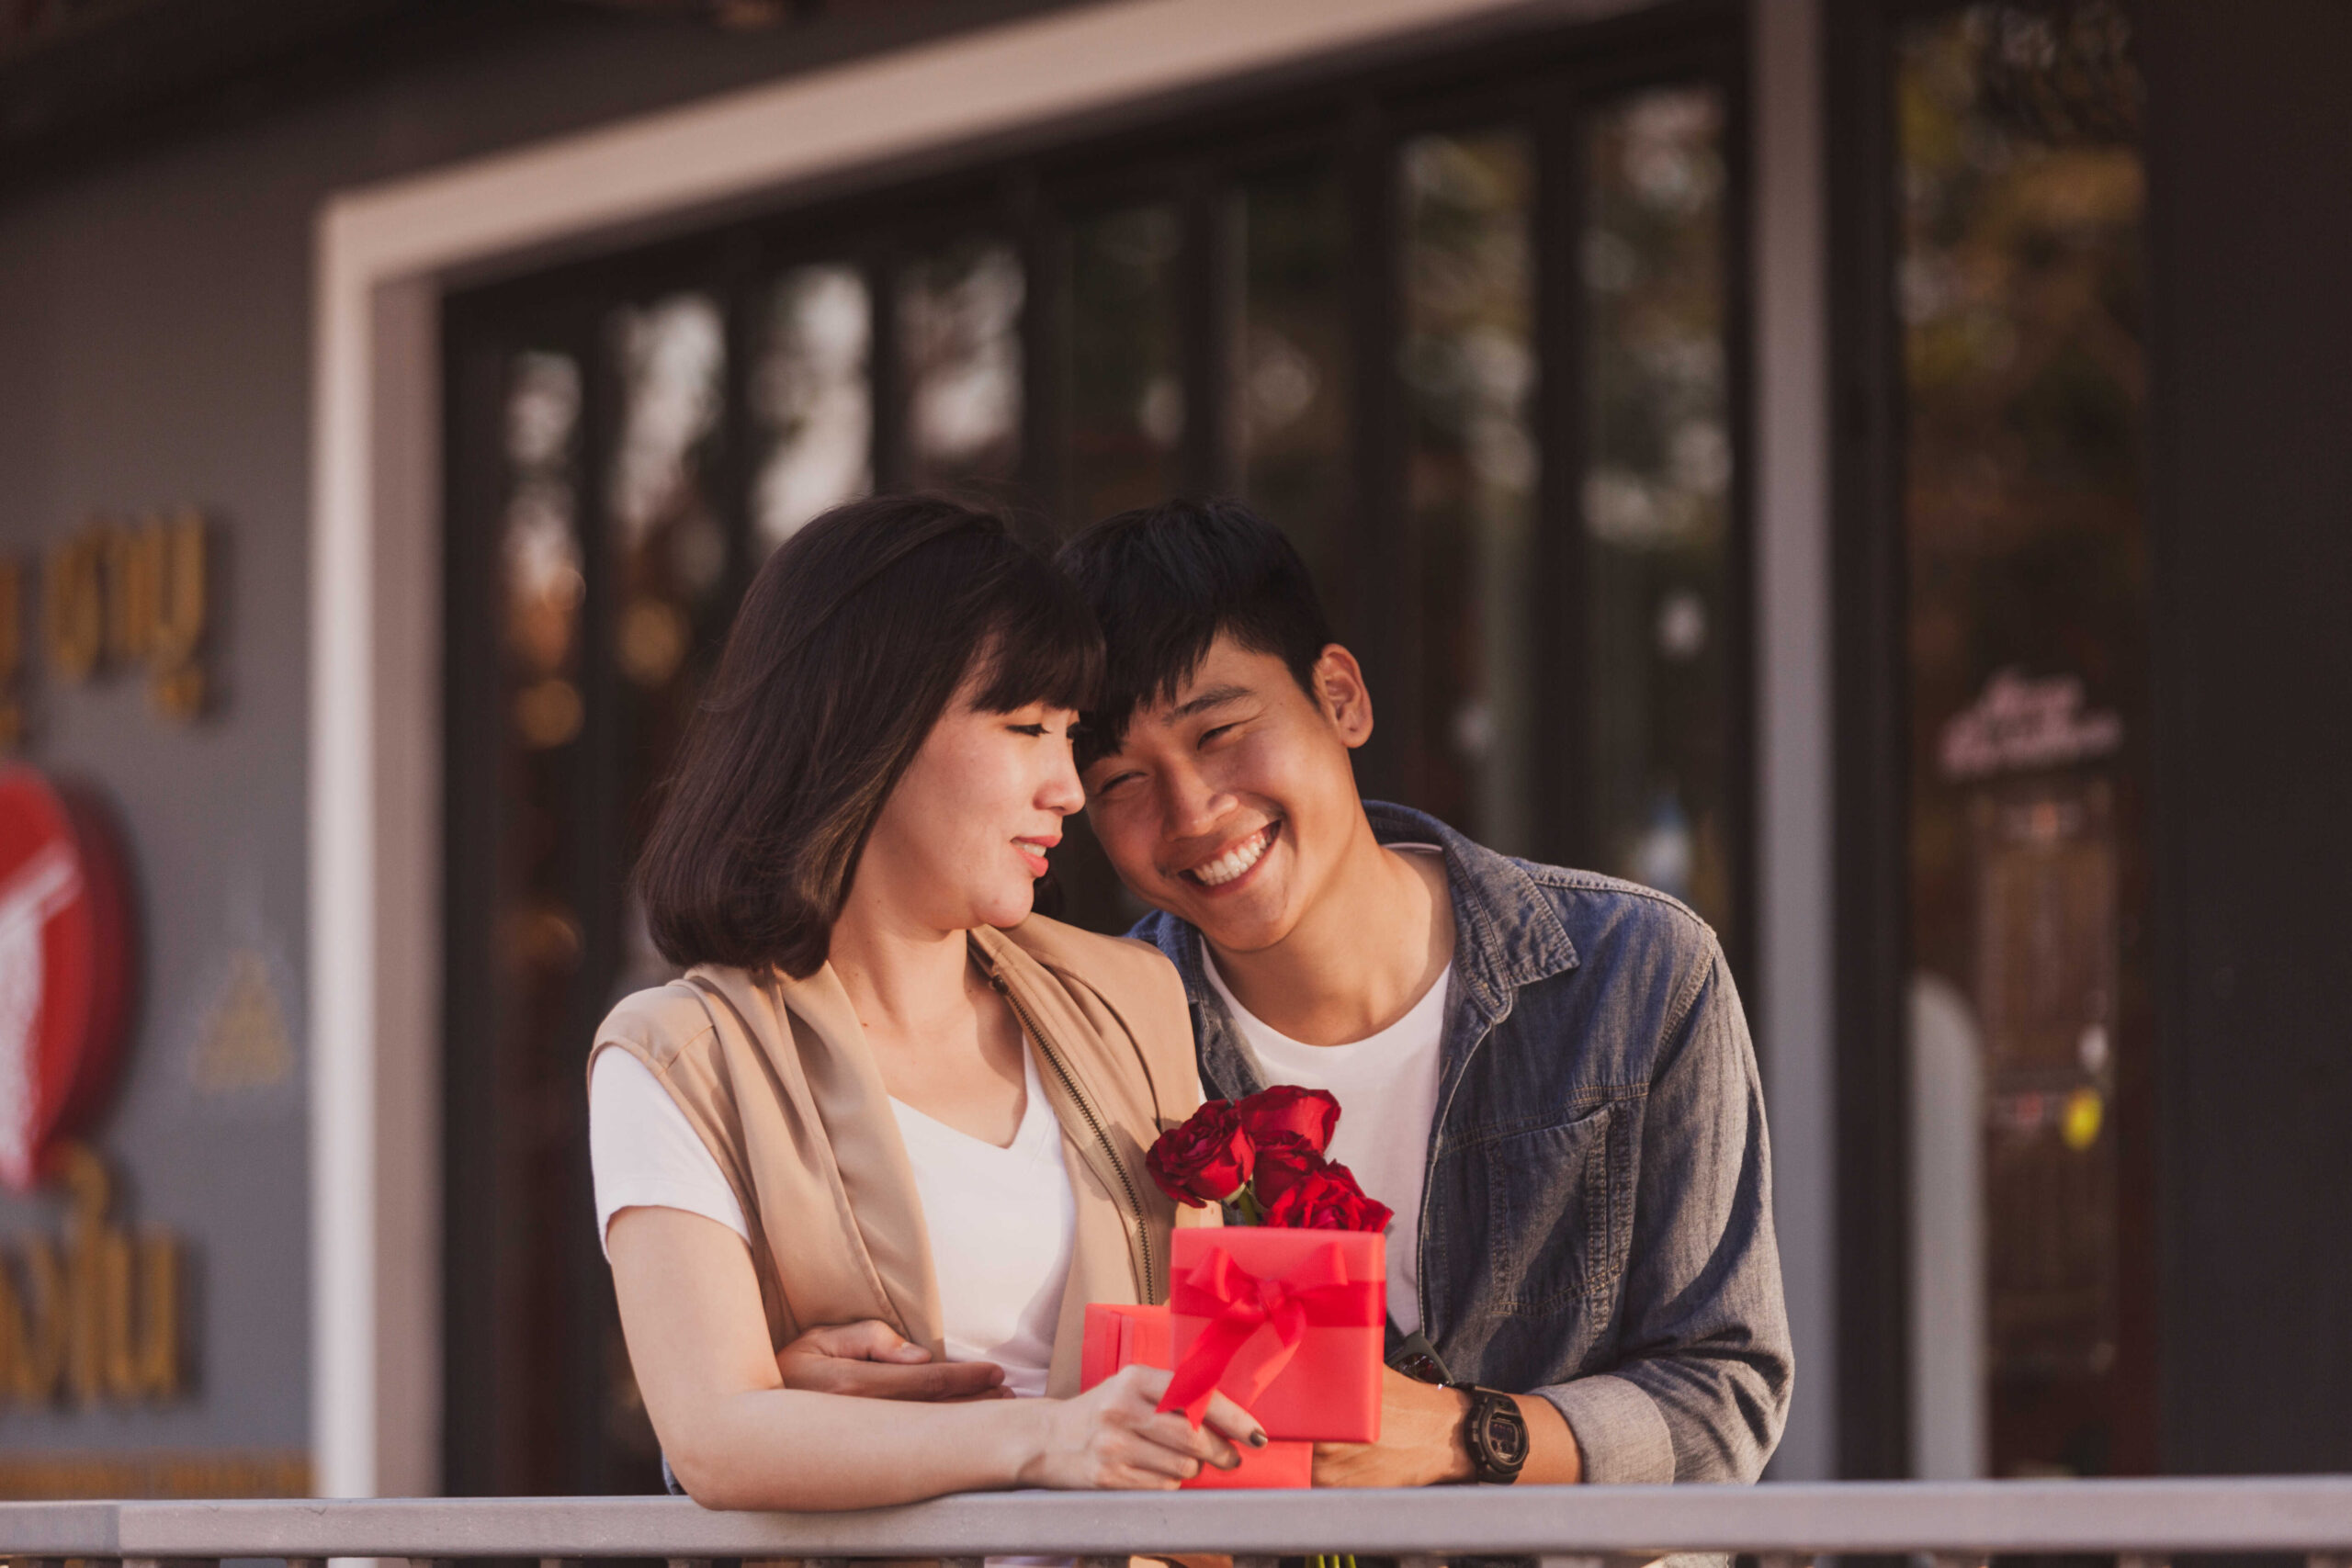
814 399
672 355
959 325
1290 364
1655 496
1470 372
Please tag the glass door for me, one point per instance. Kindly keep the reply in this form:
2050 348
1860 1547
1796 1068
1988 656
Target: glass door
1470 332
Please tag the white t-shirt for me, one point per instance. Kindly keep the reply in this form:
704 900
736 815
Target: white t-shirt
1001 1220
1386 1086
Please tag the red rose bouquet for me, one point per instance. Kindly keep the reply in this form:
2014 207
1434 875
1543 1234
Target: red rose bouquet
1283 1312
1263 1157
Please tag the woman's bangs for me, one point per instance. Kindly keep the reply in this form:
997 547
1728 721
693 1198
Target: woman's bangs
1042 646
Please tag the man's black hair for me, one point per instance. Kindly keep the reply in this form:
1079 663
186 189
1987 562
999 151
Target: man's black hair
1165 580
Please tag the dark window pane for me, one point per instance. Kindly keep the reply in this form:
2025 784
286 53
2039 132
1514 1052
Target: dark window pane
535 922
2019 284
1127 385
666 553
1287 404
1469 375
1655 497
812 399
959 334
667 549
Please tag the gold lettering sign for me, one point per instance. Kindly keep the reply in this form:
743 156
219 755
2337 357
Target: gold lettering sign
98 1317
122 596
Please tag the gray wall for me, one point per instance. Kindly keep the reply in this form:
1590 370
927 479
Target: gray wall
155 349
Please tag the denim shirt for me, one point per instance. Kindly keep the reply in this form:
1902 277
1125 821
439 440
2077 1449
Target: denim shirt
1597 1221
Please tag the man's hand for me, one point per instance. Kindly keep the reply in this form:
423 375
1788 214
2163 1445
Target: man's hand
1420 1440
871 1360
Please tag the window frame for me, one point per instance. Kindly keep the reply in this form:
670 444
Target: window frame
1192 157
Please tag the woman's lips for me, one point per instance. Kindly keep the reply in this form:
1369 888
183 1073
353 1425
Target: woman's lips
1032 853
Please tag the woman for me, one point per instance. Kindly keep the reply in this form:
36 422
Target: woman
884 1090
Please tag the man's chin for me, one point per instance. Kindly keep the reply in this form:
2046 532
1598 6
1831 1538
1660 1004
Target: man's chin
1237 929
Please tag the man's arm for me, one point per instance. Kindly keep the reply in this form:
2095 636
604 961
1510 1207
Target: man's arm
1702 1390
1420 1441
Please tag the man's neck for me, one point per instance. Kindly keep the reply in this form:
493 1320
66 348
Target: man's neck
1377 937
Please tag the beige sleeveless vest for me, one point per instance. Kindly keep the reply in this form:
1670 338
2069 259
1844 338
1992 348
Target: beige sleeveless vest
775 1076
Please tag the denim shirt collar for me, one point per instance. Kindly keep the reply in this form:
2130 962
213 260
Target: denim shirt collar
1506 935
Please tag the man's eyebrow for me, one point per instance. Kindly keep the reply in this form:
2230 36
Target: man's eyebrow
1216 696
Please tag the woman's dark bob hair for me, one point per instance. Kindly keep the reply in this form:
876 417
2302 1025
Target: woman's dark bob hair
852 640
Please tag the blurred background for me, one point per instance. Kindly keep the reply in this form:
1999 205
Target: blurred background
1875 470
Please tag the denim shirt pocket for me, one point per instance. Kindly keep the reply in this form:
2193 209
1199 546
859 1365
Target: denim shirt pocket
1560 1210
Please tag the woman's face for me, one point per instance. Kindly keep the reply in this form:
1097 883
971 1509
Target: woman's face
962 840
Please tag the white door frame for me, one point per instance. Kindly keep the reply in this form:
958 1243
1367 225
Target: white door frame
383 255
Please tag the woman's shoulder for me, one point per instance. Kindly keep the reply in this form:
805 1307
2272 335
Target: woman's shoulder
1121 987
1116 967
662 1022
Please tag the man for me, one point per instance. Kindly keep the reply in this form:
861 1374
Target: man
1545 1073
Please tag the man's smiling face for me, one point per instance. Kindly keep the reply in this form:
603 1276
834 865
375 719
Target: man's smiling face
1231 805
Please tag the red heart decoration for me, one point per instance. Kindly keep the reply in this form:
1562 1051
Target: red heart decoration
65 967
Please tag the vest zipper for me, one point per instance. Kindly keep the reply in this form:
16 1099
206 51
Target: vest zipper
1102 1136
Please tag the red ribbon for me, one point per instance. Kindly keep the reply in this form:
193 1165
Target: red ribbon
1315 1293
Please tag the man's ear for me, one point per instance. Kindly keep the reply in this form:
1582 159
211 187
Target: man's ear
1340 692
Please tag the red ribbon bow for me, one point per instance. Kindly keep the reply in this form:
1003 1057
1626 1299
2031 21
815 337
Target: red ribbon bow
1315 1293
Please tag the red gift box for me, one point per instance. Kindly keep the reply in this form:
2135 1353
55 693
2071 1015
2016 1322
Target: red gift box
1120 1336
1287 1323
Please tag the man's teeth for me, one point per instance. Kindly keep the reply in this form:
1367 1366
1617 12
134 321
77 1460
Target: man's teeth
1234 861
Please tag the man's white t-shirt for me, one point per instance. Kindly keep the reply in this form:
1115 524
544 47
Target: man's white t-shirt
1386 1086
1001 1220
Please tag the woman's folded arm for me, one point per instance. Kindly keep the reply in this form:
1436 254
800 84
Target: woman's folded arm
737 1438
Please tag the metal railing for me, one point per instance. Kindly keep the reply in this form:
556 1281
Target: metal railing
2147 1521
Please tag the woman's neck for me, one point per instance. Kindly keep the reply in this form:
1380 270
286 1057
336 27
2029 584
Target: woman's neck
941 1041
906 979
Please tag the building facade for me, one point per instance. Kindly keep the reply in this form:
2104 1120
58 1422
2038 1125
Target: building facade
1865 468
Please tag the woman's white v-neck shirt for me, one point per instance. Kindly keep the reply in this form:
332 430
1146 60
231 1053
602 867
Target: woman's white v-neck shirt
1001 1220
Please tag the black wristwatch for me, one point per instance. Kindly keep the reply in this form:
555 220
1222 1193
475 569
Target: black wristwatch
1496 1434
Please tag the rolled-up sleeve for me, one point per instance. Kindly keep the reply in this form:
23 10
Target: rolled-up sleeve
1701 1388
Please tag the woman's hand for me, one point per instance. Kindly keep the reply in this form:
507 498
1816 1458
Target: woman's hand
871 1360
1112 1436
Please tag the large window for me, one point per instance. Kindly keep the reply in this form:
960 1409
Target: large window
2006 322
1470 334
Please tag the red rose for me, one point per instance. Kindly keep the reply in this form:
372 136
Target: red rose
1328 1199
1283 1160
1206 1159
1308 1113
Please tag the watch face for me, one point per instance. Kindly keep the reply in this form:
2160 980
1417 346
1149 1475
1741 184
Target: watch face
1506 1436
